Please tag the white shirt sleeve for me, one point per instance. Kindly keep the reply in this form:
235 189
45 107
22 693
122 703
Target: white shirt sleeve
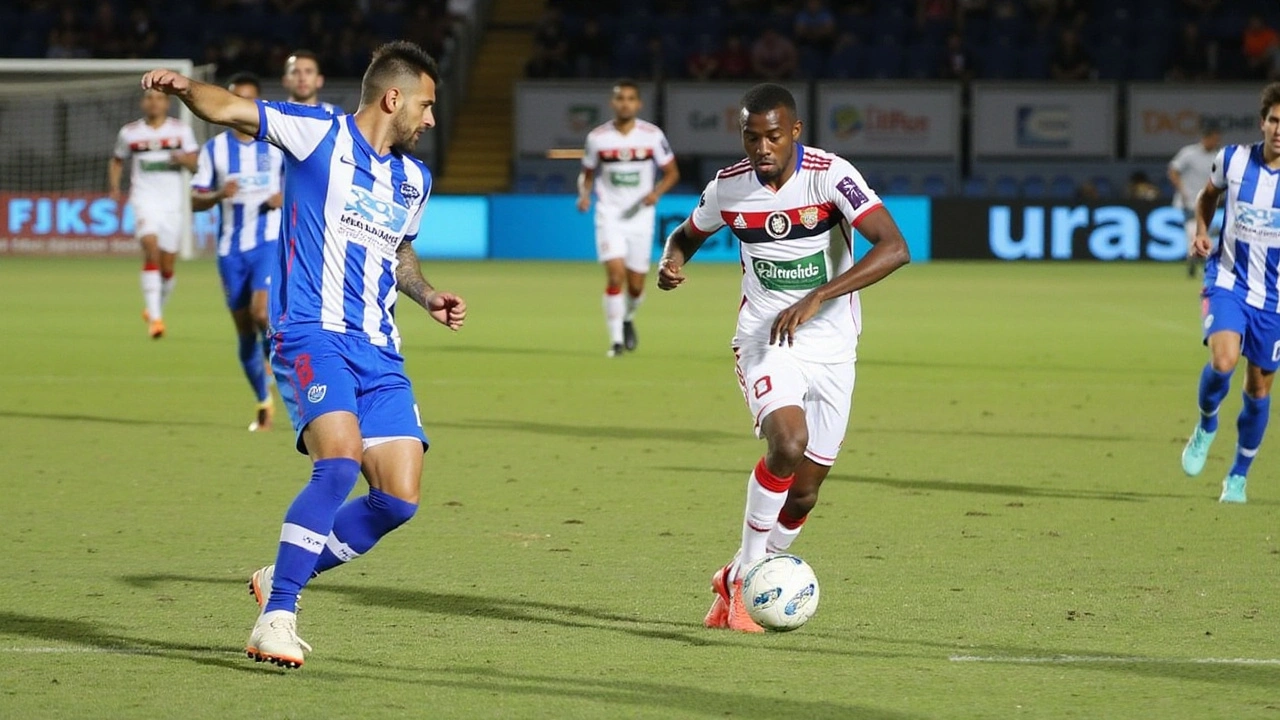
204 178
706 216
590 158
1218 175
663 154
121 150
189 144
849 192
296 129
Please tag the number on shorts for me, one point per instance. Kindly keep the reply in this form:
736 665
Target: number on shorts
302 368
1275 352
763 387
417 414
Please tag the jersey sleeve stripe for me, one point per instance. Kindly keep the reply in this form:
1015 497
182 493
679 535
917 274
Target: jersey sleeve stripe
865 213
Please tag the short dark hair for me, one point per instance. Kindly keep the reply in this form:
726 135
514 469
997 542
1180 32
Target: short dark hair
621 83
391 61
245 78
767 96
303 54
1270 97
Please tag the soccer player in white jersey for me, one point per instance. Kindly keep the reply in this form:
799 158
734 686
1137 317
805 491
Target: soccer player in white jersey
241 176
159 147
353 204
1189 171
791 208
1241 304
618 162
303 81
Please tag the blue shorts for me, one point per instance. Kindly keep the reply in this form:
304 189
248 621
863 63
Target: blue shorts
245 273
1222 310
321 372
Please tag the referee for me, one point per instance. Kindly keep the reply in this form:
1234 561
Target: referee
1189 171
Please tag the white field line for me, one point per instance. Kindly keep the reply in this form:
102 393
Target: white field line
85 650
1107 659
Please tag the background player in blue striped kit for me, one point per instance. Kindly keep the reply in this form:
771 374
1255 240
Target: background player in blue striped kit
354 199
1241 293
242 176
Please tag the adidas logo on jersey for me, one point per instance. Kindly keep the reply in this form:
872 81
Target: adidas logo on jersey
740 222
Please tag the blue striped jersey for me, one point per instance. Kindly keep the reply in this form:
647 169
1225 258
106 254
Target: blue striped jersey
1247 257
347 211
245 222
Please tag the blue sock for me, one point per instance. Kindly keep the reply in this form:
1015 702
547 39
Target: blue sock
1252 424
360 524
306 525
251 361
1213 388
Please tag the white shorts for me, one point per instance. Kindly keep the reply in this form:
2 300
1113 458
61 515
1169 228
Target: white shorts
771 378
163 222
630 239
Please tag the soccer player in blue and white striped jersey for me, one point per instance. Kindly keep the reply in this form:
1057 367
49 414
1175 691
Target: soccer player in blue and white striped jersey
241 176
303 79
354 199
1241 304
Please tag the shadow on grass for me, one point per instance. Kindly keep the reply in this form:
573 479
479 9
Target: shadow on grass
921 485
72 417
451 349
599 432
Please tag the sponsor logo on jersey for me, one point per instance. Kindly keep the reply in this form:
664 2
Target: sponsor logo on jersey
740 222
852 192
372 222
804 273
156 166
809 217
316 393
625 179
778 224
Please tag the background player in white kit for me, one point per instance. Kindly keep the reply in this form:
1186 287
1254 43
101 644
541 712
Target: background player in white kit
791 208
1189 172
618 162
159 147
303 80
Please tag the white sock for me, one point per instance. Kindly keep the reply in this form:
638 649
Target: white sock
166 288
151 293
766 494
633 304
613 313
781 537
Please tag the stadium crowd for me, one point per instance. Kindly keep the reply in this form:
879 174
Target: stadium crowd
925 39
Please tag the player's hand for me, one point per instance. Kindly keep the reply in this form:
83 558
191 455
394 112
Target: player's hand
788 321
447 309
584 203
275 201
229 189
1201 246
166 81
650 200
670 273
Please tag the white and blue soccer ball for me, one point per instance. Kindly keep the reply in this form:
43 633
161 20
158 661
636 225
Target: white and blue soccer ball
781 592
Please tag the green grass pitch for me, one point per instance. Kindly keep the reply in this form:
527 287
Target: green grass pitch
1007 534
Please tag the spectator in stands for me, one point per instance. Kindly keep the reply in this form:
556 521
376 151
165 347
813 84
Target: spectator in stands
1203 8
957 63
844 60
589 51
550 37
815 26
1069 60
704 62
972 9
935 11
104 34
545 63
142 38
1191 56
1141 188
1261 47
773 56
734 61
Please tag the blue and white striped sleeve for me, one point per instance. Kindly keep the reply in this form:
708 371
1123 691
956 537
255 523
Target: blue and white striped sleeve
295 129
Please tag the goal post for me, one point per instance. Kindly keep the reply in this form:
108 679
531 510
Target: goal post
58 125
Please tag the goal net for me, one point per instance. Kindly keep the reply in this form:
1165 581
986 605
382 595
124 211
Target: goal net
58 125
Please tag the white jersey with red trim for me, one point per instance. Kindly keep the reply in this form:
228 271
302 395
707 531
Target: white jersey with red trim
791 241
154 178
625 165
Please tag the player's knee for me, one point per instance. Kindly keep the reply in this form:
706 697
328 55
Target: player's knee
800 502
1225 361
393 510
1257 392
787 450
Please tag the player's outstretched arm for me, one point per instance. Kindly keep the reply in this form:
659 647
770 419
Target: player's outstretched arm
681 245
209 102
1206 206
888 253
448 309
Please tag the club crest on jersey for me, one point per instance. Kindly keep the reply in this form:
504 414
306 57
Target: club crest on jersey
316 393
409 192
624 154
778 224
809 217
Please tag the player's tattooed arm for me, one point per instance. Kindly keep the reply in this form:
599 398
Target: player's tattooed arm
446 308
682 244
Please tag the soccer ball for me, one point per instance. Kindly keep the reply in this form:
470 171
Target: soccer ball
781 592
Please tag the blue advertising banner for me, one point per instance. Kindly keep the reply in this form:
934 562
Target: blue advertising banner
455 227
549 227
